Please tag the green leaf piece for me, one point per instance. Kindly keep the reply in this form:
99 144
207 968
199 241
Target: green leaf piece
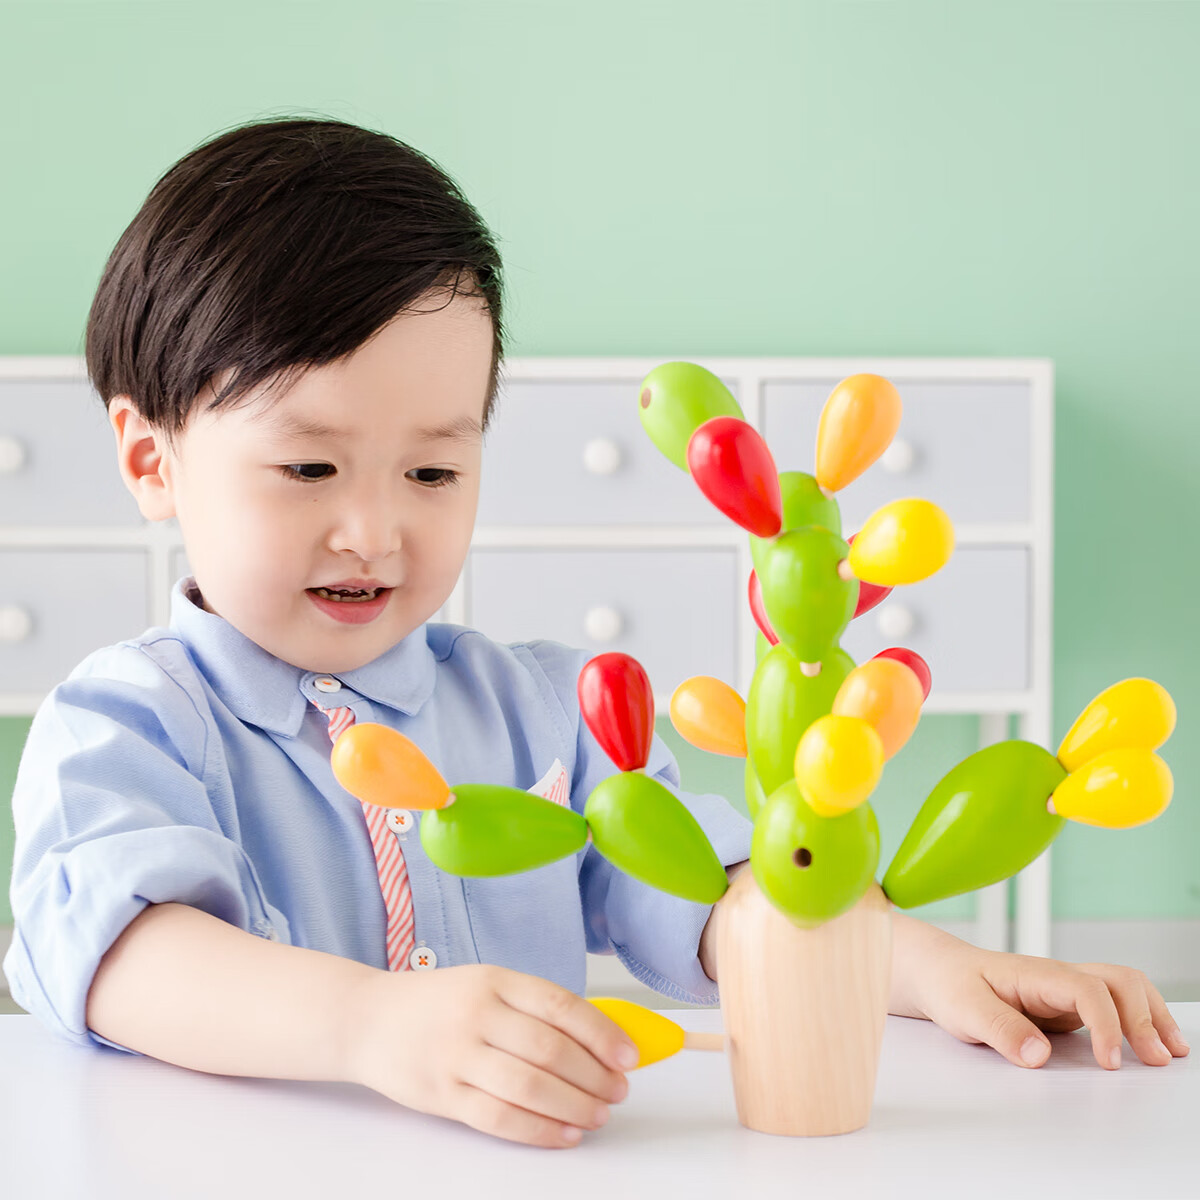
675 399
984 822
643 829
812 868
808 604
494 830
783 702
755 796
805 504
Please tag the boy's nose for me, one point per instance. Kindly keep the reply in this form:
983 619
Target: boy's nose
371 529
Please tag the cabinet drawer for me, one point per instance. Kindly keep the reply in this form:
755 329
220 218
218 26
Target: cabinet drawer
676 610
77 601
60 463
971 444
536 460
970 621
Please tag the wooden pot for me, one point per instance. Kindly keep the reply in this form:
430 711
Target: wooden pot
804 1010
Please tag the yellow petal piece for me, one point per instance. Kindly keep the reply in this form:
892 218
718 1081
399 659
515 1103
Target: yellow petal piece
887 695
655 1036
1116 790
902 542
1134 712
838 763
381 766
857 425
710 715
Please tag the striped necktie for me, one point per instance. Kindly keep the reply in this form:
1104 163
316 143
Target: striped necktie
389 862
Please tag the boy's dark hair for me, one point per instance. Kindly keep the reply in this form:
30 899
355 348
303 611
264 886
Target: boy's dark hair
278 246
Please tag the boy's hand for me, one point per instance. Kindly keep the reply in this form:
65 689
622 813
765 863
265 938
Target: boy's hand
1007 1000
510 1054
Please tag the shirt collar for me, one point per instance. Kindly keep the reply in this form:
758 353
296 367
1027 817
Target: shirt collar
265 691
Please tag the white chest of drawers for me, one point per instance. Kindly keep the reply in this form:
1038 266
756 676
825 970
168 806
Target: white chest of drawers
587 535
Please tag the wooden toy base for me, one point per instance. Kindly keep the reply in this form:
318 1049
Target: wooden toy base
804 1010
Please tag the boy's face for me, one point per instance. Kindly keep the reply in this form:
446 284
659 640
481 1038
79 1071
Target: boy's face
375 499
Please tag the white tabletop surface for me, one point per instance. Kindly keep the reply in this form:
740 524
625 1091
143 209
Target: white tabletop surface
949 1120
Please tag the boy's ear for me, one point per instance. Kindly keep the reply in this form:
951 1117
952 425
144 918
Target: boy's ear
143 458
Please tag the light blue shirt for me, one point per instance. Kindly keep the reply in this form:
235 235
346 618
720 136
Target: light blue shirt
190 765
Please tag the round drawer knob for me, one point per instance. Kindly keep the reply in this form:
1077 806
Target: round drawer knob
15 623
12 455
601 456
899 457
895 621
603 624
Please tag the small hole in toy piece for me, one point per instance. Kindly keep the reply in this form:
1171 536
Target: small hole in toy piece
645 397
802 857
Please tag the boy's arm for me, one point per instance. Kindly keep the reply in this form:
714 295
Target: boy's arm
511 1054
188 988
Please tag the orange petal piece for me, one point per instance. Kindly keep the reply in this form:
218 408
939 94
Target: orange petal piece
381 766
887 695
710 715
857 425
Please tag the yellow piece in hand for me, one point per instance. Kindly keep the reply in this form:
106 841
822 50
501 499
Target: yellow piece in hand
838 763
1134 712
655 1036
902 542
710 715
1116 790
381 766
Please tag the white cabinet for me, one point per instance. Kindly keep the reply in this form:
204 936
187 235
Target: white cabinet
587 535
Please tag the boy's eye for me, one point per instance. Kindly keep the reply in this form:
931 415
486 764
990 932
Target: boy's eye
308 471
434 476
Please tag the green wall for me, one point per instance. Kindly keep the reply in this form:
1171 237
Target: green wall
753 178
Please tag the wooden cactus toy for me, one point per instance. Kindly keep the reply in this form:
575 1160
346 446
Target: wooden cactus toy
804 936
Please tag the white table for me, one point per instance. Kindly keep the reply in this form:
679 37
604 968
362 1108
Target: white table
949 1120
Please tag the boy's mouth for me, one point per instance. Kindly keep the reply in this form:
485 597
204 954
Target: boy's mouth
348 595
351 605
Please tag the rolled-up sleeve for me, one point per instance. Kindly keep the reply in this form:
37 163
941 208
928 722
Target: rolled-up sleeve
111 815
655 935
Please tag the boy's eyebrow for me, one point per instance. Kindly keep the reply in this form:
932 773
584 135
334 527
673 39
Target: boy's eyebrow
460 429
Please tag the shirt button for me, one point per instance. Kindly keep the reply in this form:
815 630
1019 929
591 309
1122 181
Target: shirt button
400 820
422 959
327 683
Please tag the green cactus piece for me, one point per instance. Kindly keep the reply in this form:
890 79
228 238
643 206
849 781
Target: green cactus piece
805 504
495 830
755 796
812 868
984 822
783 702
808 604
645 830
676 398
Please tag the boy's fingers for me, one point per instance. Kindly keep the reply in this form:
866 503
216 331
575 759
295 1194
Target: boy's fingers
545 1046
578 1019
1089 996
1007 1031
1167 1026
1145 1018
534 1090
485 1112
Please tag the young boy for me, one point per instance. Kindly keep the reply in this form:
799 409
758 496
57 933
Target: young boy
297 340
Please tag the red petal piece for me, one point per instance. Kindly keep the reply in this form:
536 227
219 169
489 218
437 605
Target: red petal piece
759 612
617 705
732 466
869 594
